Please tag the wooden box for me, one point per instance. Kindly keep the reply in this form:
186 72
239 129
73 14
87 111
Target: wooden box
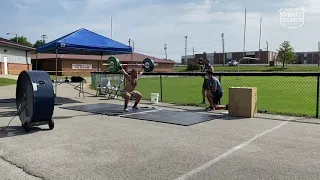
243 101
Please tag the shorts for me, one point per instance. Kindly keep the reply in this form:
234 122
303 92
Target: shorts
132 93
216 97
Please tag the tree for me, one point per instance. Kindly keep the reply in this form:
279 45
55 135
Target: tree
286 53
39 43
22 40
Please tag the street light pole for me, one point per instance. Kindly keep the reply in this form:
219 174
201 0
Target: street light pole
16 36
267 51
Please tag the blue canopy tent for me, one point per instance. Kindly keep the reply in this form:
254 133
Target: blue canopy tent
83 42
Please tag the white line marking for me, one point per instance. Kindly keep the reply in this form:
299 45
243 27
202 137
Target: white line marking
143 112
229 152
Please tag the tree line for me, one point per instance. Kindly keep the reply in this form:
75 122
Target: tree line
24 41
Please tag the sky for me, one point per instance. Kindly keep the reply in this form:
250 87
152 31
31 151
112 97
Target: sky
152 23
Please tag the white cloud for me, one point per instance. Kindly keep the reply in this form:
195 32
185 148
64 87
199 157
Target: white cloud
152 25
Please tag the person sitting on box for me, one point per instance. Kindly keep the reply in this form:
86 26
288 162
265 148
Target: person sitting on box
215 91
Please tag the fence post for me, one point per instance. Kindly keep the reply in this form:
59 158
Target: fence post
221 85
93 80
161 88
317 100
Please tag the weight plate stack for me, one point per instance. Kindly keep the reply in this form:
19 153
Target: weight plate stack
149 65
113 64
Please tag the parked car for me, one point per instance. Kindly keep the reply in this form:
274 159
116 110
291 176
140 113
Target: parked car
233 63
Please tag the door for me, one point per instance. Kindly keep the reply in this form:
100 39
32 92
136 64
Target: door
5 63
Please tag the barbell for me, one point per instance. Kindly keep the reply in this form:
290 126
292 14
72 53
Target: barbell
114 64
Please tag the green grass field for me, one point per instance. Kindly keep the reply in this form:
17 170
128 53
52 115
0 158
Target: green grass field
278 95
5 81
245 68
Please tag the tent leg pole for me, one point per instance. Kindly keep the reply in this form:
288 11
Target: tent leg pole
37 61
101 69
101 62
56 72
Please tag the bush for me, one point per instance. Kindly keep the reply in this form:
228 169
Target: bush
193 67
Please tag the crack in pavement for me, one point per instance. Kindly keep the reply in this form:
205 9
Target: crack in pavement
20 167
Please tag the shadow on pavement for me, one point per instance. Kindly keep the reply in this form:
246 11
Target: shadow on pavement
69 117
8 113
11 103
8 106
9 100
8 103
64 100
18 131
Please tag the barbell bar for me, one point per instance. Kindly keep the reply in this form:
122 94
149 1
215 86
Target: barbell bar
114 64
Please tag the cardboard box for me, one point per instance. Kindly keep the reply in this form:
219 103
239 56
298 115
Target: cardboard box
243 101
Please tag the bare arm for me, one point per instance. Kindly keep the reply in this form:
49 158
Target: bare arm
126 75
141 72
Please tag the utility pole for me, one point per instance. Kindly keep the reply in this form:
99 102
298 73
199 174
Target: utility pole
224 58
185 53
267 50
129 41
111 27
193 52
132 51
165 50
244 31
318 53
260 38
43 38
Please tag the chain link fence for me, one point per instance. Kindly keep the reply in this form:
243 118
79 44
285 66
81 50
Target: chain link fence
279 93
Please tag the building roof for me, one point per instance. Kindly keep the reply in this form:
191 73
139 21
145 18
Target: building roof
8 43
307 52
137 57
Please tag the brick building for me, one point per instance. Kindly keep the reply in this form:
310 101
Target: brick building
14 57
82 65
307 57
217 58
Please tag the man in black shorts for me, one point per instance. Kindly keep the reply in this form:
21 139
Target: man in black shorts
207 67
215 91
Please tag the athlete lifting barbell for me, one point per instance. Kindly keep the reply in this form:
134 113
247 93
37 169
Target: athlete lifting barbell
131 80
114 64
129 89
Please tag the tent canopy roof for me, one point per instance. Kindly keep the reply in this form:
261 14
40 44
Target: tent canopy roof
84 42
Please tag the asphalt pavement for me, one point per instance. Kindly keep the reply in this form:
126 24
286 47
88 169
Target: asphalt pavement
91 146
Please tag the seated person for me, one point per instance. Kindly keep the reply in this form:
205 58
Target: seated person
129 89
215 91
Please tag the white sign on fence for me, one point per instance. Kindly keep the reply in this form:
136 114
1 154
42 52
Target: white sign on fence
292 18
81 66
